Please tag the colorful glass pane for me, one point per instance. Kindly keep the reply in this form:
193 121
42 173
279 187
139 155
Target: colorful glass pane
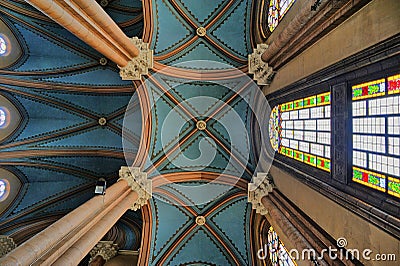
274 128
3 46
324 99
370 179
394 84
273 15
310 101
298 104
284 6
276 10
376 134
394 186
305 130
3 189
278 254
3 117
369 89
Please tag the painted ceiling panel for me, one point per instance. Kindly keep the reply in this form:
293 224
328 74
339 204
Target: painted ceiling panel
101 138
171 29
192 251
97 166
39 182
202 10
54 56
227 24
100 104
234 226
233 31
198 51
178 240
201 154
174 221
98 76
50 118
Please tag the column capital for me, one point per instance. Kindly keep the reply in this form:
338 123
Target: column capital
139 183
259 188
263 73
106 249
6 245
140 64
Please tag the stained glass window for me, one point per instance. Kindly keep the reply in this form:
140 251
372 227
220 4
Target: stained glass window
3 117
3 46
277 9
304 130
376 134
277 251
3 189
274 128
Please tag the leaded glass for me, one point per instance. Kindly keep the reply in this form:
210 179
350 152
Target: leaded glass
274 128
3 189
394 84
376 134
3 117
306 130
278 254
276 10
3 46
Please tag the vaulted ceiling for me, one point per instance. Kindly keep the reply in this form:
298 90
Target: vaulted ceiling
60 149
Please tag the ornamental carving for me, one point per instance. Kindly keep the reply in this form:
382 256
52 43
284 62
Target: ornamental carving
6 245
259 188
139 183
140 64
105 249
263 73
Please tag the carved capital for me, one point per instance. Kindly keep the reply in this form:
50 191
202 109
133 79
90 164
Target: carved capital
259 188
139 65
6 245
263 73
105 249
139 183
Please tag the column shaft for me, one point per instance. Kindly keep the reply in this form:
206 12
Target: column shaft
94 11
61 15
83 246
36 247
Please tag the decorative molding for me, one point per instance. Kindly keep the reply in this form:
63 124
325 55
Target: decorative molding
139 183
6 245
263 73
200 220
258 189
105 249
140 64
340 137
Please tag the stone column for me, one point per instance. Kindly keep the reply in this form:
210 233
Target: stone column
259 192
141 192
90 23
81 228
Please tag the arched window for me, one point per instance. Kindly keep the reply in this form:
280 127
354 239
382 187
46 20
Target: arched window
277 9
376 134
277 251
3 46
3 117
4 189
274 128
301 129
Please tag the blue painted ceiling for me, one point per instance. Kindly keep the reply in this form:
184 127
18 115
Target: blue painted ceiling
61 90
60 150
